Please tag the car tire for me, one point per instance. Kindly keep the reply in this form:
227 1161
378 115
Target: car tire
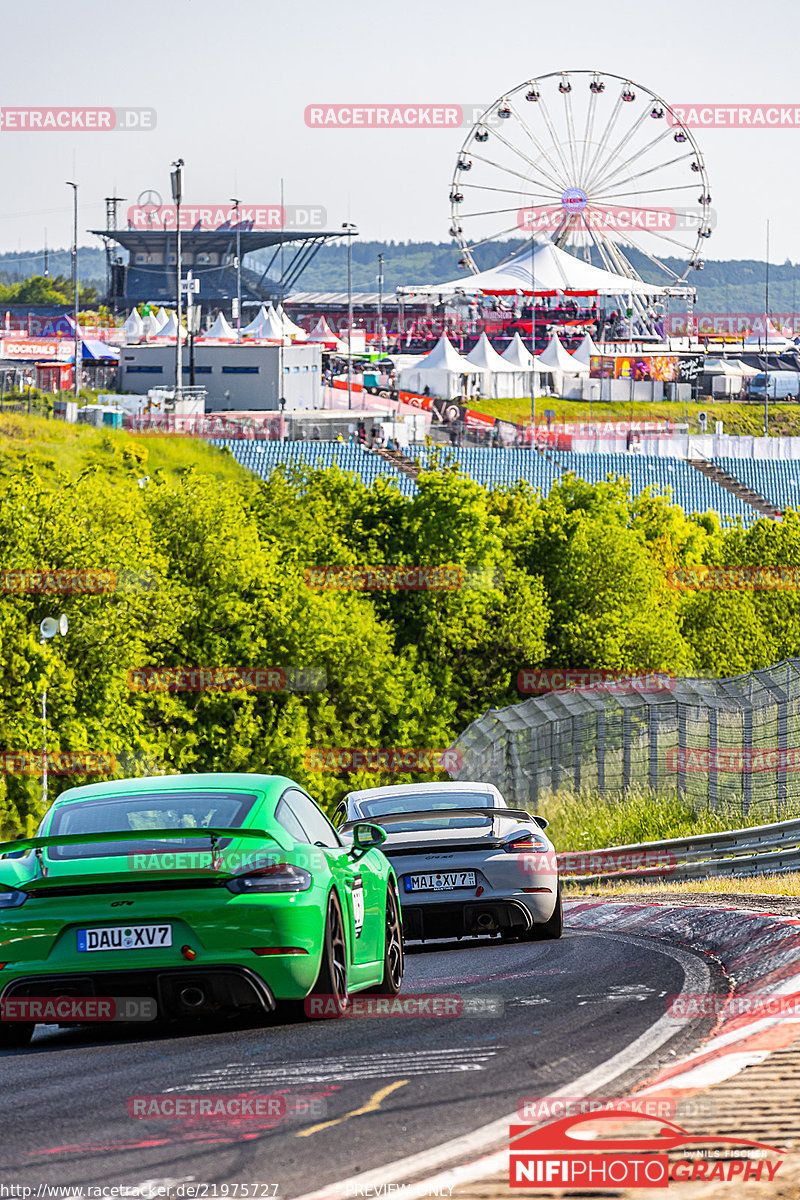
332 979
16 1035
393 954
550 929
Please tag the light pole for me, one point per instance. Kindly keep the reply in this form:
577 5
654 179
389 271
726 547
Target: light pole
76 370
380 303
48 629
177 195
235 204
350 231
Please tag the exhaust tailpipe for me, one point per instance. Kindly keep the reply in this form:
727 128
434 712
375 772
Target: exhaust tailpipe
193 997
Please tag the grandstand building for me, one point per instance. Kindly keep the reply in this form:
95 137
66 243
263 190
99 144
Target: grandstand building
210 254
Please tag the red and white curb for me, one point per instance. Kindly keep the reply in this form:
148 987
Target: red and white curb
759 953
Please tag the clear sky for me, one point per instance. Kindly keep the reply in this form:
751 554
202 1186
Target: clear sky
231 81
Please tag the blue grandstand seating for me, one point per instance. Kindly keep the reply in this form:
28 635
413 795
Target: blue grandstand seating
777 481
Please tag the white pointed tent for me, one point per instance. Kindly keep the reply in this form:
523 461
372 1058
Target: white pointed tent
292 330
322 332
274 325
584 352
499 378
256 325
220 330
443 371
552 270
149 326
519 360
133 329
162 317
555 357
170 330
517 355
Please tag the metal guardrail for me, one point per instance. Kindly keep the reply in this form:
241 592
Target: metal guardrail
758 850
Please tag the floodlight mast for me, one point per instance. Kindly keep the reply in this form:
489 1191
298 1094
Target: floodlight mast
48 628
177 195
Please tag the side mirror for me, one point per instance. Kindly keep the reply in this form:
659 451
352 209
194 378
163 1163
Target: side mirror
367 836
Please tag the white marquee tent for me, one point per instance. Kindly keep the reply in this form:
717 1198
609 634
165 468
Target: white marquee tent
258 323
322 332
552 270
170 330
444 372
220 330
292 330
162 317
556 358
133 329
499 379
584 352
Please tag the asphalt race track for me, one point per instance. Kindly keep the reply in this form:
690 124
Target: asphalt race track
568 1007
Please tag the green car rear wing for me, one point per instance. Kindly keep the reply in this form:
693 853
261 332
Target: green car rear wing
215 835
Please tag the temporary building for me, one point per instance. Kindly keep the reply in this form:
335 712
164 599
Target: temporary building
162 317
133 329
547 271
499 378
444 372
220 330
585 351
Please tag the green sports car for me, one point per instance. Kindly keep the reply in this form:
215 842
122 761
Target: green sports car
198 895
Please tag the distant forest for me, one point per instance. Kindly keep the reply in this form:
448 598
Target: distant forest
736 285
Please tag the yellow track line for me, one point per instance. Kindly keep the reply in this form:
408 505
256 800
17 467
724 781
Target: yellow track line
372 1105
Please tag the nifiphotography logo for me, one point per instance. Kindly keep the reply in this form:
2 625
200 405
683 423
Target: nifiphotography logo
570 1153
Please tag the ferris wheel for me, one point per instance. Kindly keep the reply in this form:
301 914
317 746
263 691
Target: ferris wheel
596 163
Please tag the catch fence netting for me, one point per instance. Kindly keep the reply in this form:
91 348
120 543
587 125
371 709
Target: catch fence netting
728 745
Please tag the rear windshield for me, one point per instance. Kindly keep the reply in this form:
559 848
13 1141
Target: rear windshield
448 803
143 811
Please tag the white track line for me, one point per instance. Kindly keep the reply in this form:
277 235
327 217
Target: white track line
696 980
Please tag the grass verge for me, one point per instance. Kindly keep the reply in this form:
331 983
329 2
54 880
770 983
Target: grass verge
737 418
785 884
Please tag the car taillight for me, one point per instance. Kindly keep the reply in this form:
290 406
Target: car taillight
278 877
12 898
527 841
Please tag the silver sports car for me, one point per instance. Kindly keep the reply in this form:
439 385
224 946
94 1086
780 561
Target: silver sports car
466 862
